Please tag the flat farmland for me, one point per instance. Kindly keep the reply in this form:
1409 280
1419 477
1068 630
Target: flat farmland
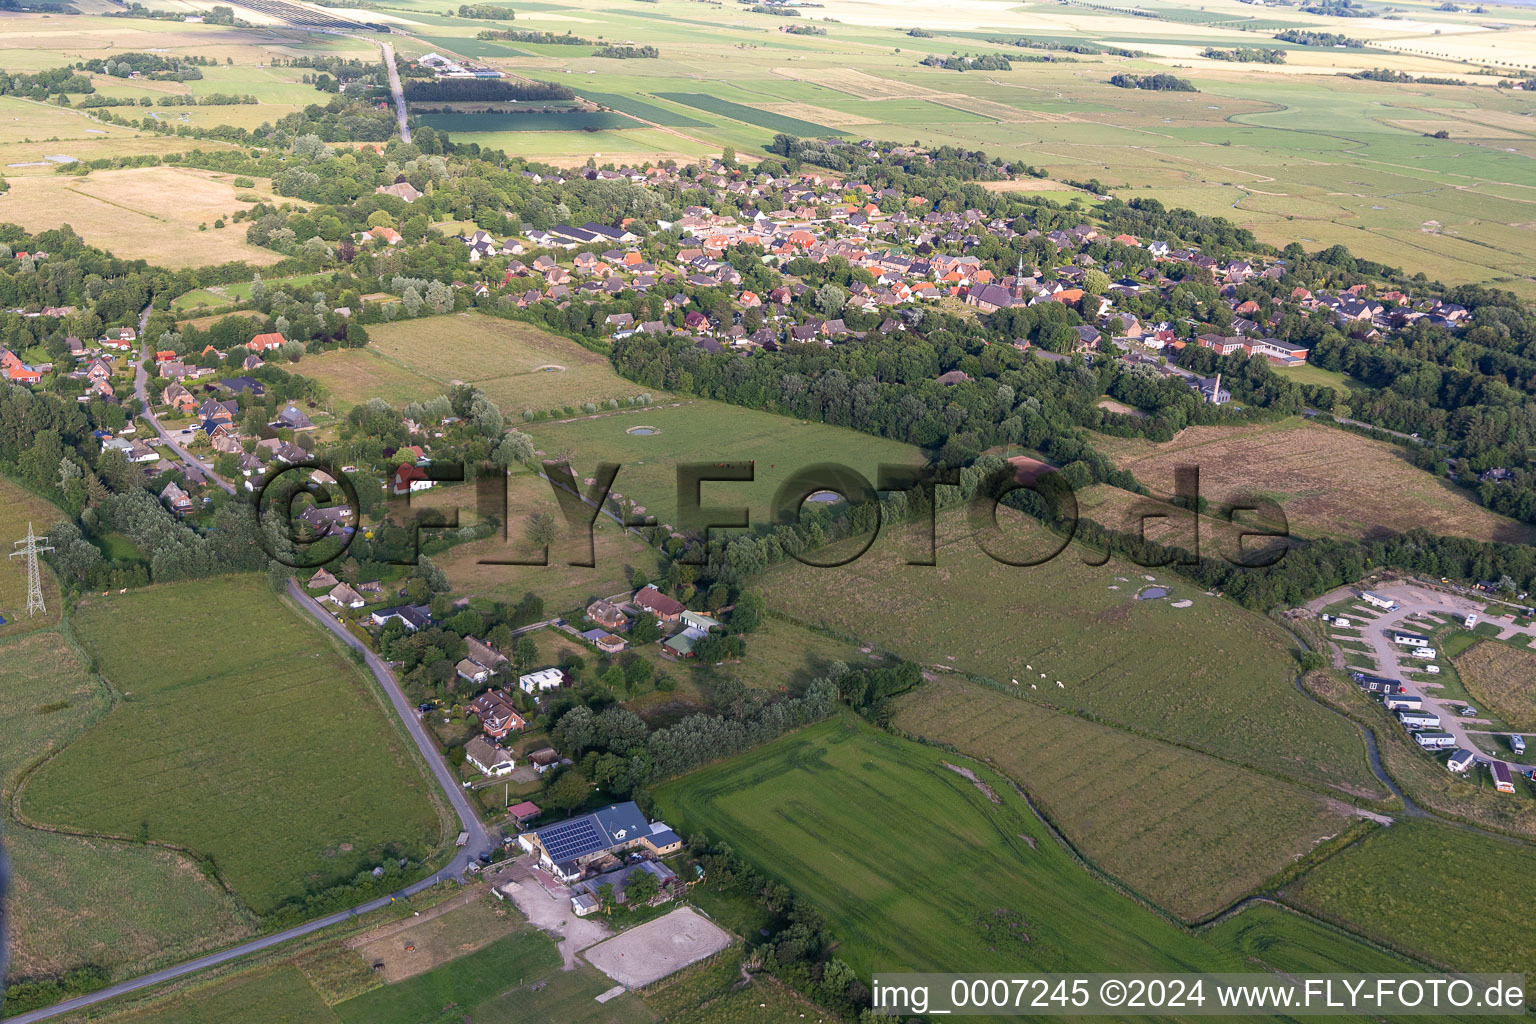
710 432
66 905
972 882
479 569
20 508
519 366
241 737
1503 678
1314 473
1191 833
1480 920
150 213
1209 675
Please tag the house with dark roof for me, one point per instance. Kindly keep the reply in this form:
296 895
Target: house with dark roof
666 609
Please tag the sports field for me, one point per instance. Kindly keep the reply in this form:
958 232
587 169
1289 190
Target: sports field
1111 791
1208 675
66 903
649 444
240 737
1501 678
151 213
1314 472
519 366
1464 910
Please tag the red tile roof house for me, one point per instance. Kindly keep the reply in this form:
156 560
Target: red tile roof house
666 609
496 714
263 342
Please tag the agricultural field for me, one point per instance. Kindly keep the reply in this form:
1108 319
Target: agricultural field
354 375
1207 675
1292 151
1111 792
1315 473
225 743
1478 921
19 508
161 214
65 905
829 811
518 366
650 444
1502 678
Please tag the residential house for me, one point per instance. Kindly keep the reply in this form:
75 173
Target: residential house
489 758
607 615
414 616
497 715
666 609
543 679
343 596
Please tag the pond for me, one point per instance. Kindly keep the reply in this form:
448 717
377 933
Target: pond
1152 594
642 431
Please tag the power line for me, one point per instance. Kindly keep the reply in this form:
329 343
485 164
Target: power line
30 549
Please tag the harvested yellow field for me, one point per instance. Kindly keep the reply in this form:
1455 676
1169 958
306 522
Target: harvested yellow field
150 213
818 115
1315 473
856 83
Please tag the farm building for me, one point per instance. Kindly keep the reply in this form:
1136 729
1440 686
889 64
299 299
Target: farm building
1434 740
1402 636
1502 780
1402 702
667 881
667 610
524 812
1419 719
1378 600
1461 760
568 847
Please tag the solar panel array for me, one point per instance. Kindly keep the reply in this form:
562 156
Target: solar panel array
571 839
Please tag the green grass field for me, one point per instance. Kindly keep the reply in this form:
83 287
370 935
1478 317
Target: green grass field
1111 792
20 508
66 906
243 737
1209 676
519 366
702 431
1450 896
533 121
909 859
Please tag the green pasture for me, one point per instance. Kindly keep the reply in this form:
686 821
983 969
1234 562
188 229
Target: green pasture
702 431
1209 676
241 736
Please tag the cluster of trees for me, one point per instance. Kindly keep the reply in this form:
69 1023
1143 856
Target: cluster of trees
43 85
487 12
968 62
805 30
913 170
1310 37
627 52
1161 82
1246 54
474 90
155 66
517 35
1026 43
1402 77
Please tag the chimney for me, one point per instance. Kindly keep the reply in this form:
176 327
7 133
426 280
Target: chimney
1216 392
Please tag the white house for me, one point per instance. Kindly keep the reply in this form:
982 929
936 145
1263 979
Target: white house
489 758
543 679
343 596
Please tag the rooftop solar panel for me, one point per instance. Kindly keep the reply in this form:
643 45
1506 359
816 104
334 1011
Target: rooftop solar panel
571 839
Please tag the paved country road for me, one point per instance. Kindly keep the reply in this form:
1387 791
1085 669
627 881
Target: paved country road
480 841
388 50
141 390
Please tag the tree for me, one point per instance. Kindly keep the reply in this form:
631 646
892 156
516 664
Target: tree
645 630
831 299
541 529
569 791
1095 282
749 611
526 652
640 888
605 896
515 446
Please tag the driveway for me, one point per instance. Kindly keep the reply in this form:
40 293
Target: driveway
1393 661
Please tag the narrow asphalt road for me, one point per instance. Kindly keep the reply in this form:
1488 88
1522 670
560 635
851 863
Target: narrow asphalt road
388 50
480 841
141 390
